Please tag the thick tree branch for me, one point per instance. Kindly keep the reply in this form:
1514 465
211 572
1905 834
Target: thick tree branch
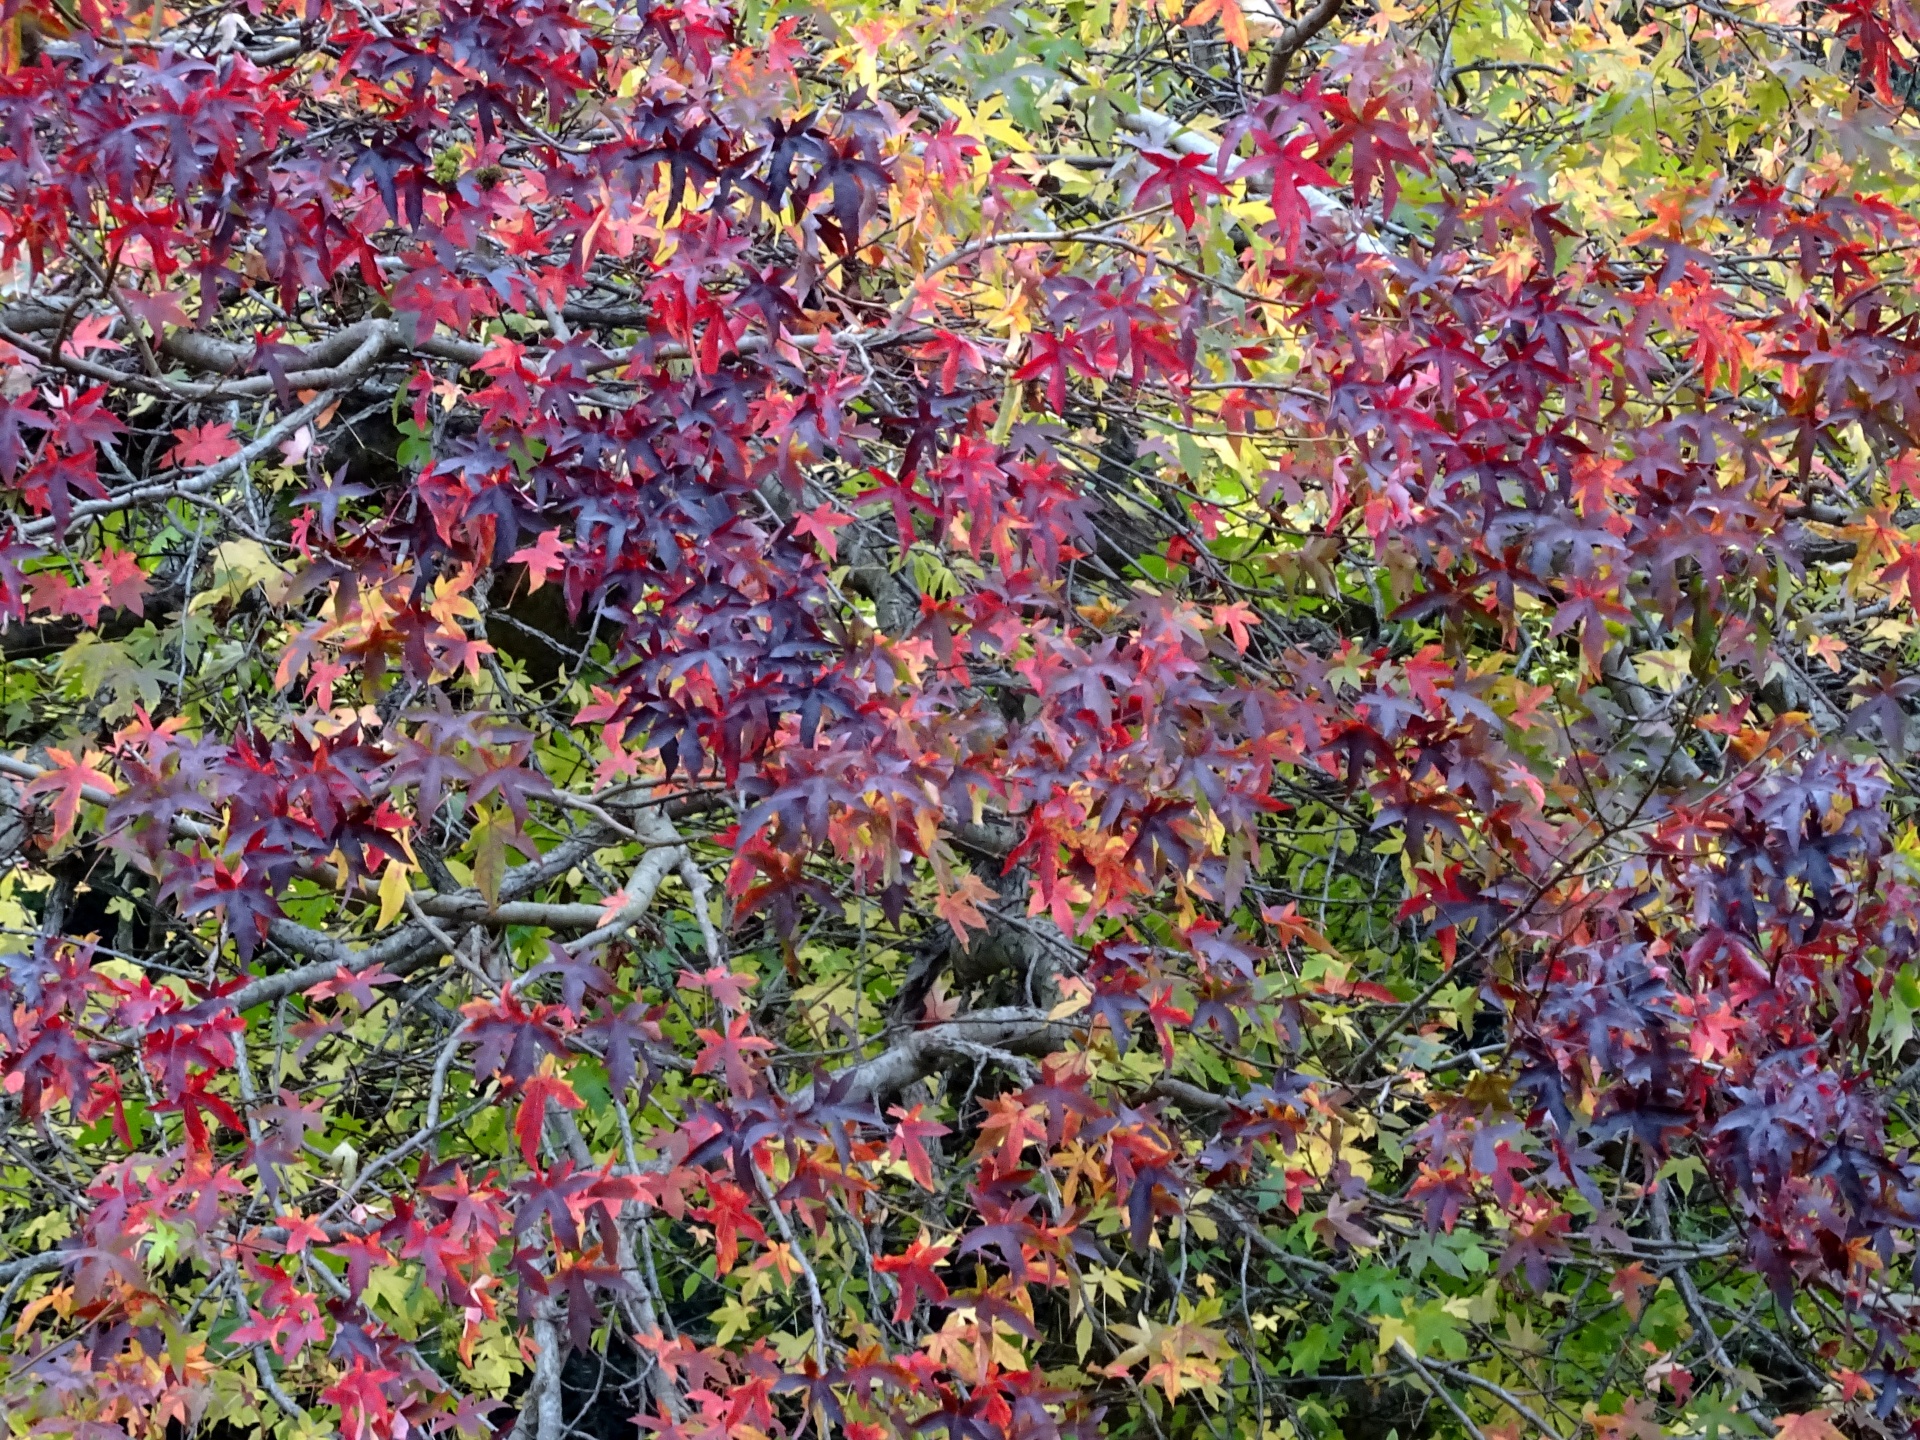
1294 39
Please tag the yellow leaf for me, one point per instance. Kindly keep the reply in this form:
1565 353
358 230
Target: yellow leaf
1393 1333
1663 669
238 565
393 891
1078 995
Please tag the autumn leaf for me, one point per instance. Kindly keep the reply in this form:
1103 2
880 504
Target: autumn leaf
960 906
909 1142
68 781
1288 922
1179 1357
531 1118
728 987
1233 22
1635 1420
1813 1425
544 559
394 887
913 1272
118 573
91 334
732 1052
1627 1282
301 1231
820 523
200 445
1236 619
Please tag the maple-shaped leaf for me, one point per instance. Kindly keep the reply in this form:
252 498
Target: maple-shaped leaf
55 594
820 523
1179 1357
1378 144
365 1411
733 1052
199 445
953 352
157 309
578 975
914 1275
302 1231
1340 1223
360 987
69 781
531 1117
960 906
1233 20
1288 922
286 1322
1627 1282
1236 619
510 1039
544 559
48 487
1010 1125
1062 1090
1814 1425
328 496
283 1131
1182 176
242 896
118 573
56 1063
728 987
626 1033
1881 703
1280 156
1166 1017
730 1217
908 1143
92 334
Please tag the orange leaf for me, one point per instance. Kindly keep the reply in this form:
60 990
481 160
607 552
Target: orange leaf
1628 1281
1233 22
1291 927
1814 1425
960 908
68 782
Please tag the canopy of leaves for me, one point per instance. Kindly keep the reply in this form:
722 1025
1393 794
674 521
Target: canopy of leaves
1004 722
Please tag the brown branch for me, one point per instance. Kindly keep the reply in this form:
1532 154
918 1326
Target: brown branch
1294 39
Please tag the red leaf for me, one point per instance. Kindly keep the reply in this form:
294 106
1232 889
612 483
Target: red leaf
915 1275
544 559
820 522
532 1115
732 1052
119 574
199 445
1182 177
907 1145
57 595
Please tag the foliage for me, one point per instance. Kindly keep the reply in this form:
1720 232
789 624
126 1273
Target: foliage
1003 722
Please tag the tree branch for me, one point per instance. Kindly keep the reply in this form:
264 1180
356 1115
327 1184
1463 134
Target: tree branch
1294 39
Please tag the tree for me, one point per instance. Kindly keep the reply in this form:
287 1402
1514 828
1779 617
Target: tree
1003 721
